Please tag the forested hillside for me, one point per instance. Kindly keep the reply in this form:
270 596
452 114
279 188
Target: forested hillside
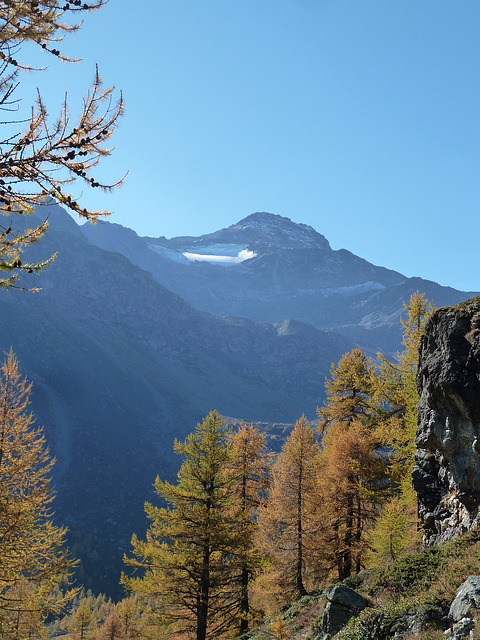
296 506
121 366
244 532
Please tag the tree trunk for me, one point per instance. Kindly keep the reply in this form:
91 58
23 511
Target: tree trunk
299 570
348 540
358 534
244 579
202 601
244 604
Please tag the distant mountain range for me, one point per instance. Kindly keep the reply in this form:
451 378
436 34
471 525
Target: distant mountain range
133 340
268 268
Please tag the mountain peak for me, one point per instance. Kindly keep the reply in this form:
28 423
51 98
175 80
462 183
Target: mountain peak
276 230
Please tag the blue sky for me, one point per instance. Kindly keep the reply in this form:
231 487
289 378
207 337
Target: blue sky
360 119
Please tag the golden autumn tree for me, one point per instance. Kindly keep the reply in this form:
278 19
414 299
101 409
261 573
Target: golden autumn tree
41 159
32 555
400 381
132 619
351 489
83 623
287 524
111 629
397 528
353 472
190 558
249 468
393 533
350 392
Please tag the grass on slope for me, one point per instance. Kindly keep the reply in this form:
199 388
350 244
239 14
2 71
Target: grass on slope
420 586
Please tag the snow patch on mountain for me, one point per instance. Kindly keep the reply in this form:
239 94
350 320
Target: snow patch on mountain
242 255
223 254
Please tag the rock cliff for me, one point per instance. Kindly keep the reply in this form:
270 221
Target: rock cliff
447 472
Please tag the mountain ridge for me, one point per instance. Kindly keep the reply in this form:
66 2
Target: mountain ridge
121 366
277 269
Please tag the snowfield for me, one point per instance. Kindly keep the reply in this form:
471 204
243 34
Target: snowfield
223 254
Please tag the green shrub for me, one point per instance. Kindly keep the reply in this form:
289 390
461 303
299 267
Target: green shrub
409 572
378 624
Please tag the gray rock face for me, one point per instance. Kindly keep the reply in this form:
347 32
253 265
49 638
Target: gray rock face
466 598
343 603
447 472
461 629
411 624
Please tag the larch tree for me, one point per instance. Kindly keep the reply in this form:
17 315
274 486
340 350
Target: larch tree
392 534
111 629
83 623
350 392
190 555
401 380
398 386
353 475
288 525
351 489
40 159
129 611
249 468
32 555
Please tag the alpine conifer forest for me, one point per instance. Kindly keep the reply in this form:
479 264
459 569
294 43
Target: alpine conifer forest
245 434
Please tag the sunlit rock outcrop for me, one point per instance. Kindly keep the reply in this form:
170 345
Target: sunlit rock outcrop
447 474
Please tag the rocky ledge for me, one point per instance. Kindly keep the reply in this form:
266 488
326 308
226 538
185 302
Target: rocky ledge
447 472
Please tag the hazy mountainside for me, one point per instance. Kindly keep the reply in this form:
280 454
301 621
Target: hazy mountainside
268 268
121 366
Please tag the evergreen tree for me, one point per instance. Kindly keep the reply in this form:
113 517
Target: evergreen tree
287 524
32 558
40 163
190 553
249 468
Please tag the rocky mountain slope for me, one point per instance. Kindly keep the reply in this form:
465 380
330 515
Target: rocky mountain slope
268 268
121 366
428 595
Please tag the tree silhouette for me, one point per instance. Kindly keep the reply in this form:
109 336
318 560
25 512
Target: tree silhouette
40 159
